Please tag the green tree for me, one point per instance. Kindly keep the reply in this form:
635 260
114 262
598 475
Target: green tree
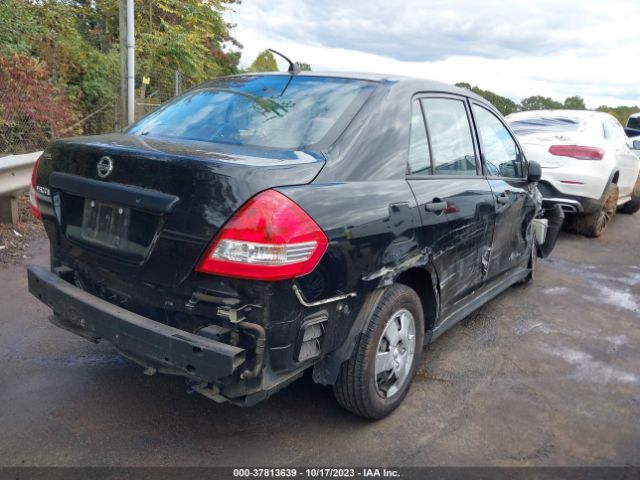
18 25
621 113
575 103
304 67
48 31
503 104
264 62
77 42
185 35
538 102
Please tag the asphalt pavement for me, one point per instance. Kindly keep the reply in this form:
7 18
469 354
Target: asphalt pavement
545 374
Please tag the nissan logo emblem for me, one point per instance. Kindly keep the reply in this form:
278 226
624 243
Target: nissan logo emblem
105 166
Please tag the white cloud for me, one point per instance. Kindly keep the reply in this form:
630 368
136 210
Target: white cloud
517 48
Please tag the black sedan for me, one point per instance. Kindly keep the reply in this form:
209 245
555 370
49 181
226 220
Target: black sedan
261 225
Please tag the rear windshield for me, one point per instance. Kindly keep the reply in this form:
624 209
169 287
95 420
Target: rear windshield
529 126
634 122
275 111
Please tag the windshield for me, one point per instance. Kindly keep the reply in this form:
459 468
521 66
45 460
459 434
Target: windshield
276 111
634 122
529 126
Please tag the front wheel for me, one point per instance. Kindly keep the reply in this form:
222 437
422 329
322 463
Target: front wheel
375 380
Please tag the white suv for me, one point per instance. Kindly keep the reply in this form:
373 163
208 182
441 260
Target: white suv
588 165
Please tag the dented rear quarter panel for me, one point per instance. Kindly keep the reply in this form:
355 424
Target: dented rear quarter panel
362 201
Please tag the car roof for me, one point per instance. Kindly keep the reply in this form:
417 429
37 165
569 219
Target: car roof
416 84
376 77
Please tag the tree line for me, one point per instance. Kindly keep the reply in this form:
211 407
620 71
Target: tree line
538 102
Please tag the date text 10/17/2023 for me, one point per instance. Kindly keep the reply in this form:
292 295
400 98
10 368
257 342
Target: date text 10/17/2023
315 473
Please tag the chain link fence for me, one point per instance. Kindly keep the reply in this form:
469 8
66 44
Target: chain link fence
154 91
34 110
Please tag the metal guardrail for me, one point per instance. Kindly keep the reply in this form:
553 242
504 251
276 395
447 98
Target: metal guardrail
15 177
15 173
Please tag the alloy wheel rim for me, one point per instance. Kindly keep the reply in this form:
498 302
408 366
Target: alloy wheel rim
605 216
395 353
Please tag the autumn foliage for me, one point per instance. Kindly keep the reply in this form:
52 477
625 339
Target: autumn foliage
31 110
69 49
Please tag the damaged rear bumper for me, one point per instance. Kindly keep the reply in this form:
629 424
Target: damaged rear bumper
146 341
554 218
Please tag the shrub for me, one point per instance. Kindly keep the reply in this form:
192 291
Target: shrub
32 112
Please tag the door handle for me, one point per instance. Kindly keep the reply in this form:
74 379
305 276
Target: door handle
503 199
436 206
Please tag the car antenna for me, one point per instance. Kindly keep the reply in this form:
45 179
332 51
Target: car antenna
293 68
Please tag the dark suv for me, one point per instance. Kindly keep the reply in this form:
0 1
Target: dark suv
261 225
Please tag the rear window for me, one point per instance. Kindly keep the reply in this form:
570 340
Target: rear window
528 126
634 122
274 111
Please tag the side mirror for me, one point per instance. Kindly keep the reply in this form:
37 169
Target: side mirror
535 172
636 145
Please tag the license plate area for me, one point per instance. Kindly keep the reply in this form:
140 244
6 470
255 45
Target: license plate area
101 228
105 224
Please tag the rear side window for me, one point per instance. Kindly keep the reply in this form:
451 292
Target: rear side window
450 136
614 131
275 111
533 125
419 158
633 122
501 155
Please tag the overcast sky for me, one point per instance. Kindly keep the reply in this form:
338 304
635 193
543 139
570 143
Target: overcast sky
516 48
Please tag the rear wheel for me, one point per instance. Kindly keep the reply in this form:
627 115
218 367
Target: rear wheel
633 205
594 224
375 380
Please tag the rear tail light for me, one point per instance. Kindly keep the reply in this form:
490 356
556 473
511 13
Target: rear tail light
577 151
33 196
269 238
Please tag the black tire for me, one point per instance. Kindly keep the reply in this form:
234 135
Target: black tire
594 224
358 387
569 224
633 205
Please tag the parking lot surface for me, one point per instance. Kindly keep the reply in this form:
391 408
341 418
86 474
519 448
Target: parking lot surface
546 374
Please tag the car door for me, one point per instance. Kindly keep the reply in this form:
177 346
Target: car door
505 170
455 201
627 162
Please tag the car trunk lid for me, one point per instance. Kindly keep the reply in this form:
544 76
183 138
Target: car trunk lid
148 207
538 132
537 146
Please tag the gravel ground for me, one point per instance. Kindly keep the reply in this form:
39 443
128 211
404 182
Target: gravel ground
16 240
